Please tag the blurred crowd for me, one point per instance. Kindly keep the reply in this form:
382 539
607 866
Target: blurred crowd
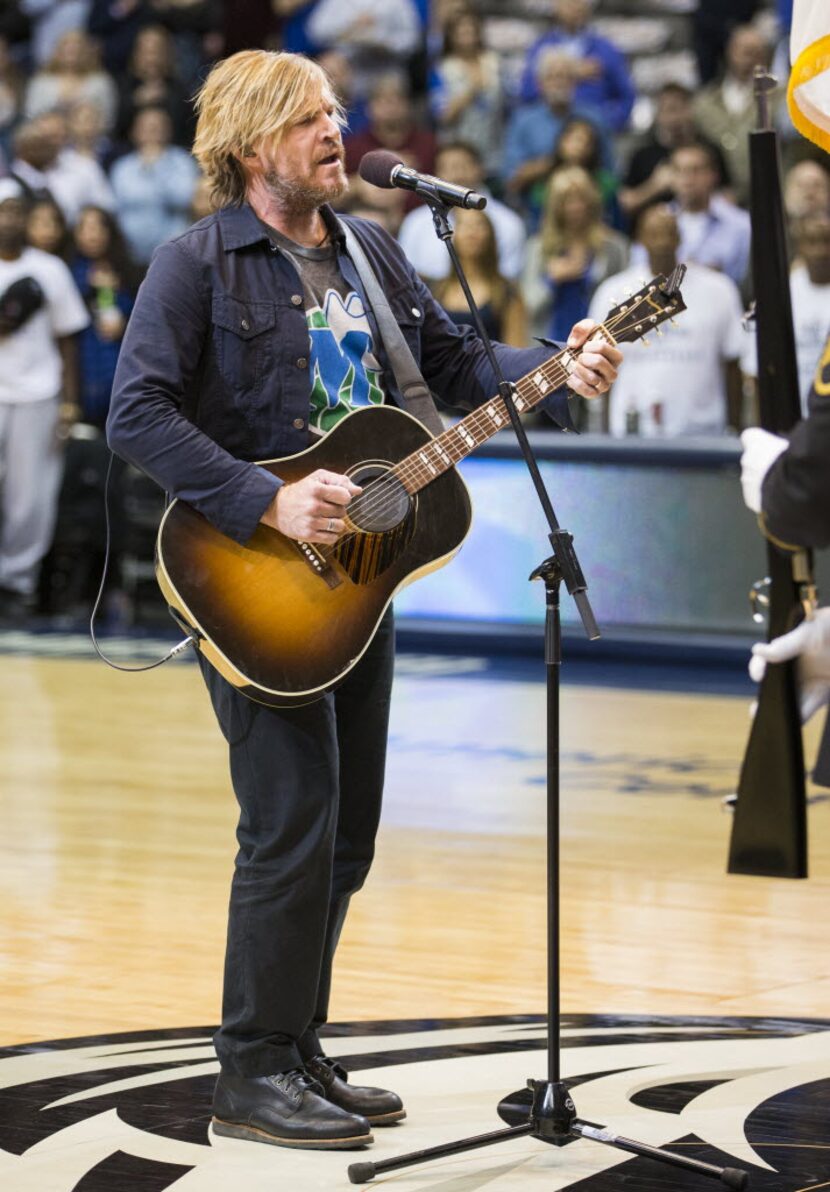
611 140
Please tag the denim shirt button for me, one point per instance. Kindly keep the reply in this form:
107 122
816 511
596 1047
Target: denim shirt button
298 423
245 325
297 299
302 362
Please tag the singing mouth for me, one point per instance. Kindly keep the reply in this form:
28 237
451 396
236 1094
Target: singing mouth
331 159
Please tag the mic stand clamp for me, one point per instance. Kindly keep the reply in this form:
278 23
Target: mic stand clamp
549 1114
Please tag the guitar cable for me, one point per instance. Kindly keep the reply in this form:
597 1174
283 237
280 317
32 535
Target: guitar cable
179 648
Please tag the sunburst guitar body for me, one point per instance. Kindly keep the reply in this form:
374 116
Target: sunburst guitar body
286 621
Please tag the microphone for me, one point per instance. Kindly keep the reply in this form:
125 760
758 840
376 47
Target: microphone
385 169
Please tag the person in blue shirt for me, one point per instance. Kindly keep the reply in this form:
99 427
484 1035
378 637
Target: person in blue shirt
603 81
535 127
106 279
250 329
153 185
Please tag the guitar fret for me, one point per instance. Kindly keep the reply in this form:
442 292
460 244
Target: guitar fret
422 455
418 469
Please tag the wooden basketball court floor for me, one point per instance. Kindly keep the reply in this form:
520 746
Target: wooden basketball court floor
117 848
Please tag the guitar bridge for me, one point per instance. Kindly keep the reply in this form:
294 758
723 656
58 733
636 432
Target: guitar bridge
318 563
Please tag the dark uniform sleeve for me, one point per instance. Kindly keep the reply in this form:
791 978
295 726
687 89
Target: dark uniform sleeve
159 359
795 497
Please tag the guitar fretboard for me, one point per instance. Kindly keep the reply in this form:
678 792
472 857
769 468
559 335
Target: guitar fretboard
443 452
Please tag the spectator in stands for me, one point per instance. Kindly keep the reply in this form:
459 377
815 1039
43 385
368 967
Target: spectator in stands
38 396
377 36
153 185
807 190
713 21
688 381
602 79
106 279
535 127
392 125
468 95
85 133
45 165
461 164
726 111
649 176
810 291
116 27
49 21
573 252
580 144
196 29
498 298
47 229
713 231
73 74
151 79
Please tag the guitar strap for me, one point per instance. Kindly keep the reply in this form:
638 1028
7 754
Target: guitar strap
417 398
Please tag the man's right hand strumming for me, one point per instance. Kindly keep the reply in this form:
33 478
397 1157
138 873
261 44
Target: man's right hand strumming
312 509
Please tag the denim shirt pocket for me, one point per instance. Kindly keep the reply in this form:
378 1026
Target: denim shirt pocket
243 347
410 318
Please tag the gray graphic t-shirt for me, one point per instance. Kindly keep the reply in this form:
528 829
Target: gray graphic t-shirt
345 373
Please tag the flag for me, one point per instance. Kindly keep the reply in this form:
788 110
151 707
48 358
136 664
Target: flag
808 93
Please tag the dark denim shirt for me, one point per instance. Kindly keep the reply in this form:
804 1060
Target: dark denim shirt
214 371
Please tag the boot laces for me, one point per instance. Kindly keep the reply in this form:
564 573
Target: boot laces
298 1081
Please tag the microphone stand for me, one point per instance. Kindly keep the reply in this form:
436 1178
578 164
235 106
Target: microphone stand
550 1112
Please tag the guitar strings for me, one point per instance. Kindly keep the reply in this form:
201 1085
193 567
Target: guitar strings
375 500
375 491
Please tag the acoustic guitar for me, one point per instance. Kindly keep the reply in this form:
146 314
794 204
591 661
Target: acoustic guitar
285 621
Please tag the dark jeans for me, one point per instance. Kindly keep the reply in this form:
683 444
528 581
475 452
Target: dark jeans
309 783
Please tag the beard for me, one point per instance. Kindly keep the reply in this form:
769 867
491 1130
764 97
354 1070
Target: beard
300 196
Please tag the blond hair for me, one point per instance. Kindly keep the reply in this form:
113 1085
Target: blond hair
252 95
565 181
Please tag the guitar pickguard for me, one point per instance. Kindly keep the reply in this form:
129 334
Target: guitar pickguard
364 556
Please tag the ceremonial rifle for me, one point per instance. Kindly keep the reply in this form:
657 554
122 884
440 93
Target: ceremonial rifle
769 833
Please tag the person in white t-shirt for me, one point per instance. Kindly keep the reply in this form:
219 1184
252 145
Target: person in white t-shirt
38 398
461 164
43 163
810 291
688 381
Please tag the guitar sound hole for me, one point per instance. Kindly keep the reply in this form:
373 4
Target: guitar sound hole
384 502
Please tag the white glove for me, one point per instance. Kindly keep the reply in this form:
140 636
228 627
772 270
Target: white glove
810 643
761 450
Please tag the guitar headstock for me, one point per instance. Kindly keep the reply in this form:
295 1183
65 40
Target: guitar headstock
656 302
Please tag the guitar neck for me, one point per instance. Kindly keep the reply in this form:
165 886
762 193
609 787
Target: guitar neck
444 452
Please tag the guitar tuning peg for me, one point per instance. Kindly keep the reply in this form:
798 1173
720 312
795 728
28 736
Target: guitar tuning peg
628 291
673 322
659 333
645 342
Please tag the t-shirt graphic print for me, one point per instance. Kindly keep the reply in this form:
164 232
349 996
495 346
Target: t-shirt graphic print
345 373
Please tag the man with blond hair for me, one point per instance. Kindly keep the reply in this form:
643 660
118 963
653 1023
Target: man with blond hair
250 332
